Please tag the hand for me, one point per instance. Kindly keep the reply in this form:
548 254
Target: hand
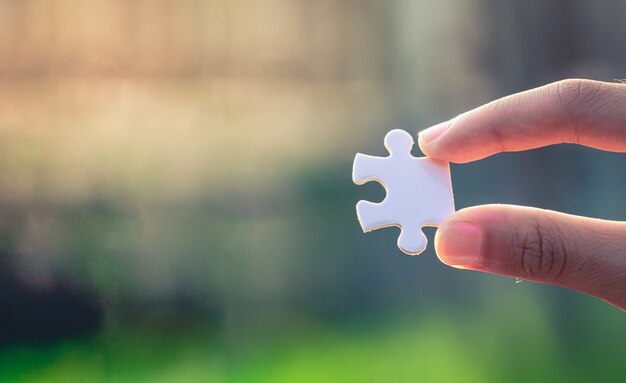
584 254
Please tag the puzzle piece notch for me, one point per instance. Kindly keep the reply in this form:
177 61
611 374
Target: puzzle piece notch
419 191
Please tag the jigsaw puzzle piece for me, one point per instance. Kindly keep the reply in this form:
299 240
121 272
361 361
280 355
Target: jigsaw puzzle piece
367 168
435 191
372 215
399 143
412 240
419 191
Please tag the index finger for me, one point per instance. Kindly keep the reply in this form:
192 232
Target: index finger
590 113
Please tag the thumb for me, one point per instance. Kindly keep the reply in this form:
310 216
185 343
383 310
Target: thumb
584 254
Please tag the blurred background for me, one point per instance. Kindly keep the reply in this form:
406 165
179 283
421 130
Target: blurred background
176 200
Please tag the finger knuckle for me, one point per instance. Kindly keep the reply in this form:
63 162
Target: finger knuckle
575 100
576 93
540 252
499 105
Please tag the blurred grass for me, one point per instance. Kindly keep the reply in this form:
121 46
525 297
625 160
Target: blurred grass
515 344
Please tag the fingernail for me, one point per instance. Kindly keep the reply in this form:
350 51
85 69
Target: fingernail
459 244
429 135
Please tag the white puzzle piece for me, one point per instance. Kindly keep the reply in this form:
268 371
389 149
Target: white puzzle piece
419 191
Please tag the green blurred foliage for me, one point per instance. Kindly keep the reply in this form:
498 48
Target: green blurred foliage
492 344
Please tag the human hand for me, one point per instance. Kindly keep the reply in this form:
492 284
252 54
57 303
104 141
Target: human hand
584 254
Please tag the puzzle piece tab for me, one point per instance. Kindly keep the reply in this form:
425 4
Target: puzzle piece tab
419 191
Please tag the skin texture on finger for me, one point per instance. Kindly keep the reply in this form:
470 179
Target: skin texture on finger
585 112
584 254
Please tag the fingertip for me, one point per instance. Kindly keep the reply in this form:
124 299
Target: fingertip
430 135
439 245
459 243
427 139
461 240
441 142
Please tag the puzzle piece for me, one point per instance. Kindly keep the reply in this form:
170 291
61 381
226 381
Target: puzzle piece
419 191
